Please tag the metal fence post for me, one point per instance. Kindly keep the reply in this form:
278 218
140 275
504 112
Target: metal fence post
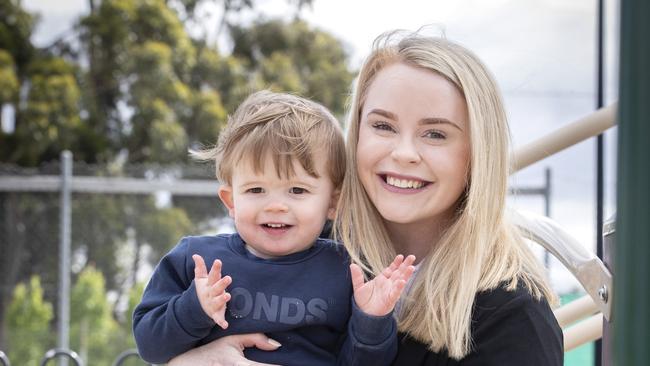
632 298
64 254
609 248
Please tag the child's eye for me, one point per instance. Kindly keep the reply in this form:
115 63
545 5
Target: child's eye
383 126
298 190
255 190
433 134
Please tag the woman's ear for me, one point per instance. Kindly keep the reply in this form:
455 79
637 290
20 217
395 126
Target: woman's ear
225 194
331 211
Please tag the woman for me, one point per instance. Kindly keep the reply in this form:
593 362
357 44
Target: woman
427 175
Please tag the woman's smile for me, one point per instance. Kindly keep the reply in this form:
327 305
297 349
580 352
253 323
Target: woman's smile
403 184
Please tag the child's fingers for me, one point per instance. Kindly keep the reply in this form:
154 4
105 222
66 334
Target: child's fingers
218 288
357 276
220 301
407 273
200 271
388 271
221 322
409 260
406 264
215 272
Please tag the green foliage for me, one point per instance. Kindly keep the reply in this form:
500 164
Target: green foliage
50 120
16 29
140 89
8 78
92 323
135 295
28 323
296 57
162 229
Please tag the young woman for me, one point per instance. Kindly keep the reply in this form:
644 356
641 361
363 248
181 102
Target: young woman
428 163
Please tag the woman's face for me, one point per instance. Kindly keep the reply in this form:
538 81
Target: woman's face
413 149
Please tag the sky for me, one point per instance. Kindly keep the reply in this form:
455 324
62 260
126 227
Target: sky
541 52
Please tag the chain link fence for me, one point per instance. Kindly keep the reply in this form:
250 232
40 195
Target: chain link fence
123 219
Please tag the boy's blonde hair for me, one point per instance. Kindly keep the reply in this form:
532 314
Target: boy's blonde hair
286 126
480 250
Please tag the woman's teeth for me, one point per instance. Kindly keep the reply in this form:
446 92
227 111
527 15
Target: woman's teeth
404 183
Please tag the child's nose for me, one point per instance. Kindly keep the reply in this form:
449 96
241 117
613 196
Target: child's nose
276 206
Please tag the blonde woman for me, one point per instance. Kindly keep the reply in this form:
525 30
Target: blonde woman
427 168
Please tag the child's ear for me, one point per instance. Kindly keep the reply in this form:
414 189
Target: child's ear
225 194
331 211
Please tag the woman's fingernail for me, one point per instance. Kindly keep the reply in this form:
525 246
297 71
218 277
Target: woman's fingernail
274 342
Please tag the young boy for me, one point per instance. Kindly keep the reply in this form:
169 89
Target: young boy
281 162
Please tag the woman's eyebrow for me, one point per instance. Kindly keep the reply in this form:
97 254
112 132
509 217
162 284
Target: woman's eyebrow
437 121
384 113
423 121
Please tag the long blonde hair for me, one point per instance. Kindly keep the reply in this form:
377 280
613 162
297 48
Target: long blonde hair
480 250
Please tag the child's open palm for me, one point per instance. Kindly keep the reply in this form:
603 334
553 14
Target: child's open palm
211 289
378 296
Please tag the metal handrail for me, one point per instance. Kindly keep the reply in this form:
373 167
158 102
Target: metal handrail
55 352
575 310
567 136
588 269
4 359
584 332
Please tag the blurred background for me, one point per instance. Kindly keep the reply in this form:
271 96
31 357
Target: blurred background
129 85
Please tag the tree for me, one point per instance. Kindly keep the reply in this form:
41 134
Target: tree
296 57
133 89
92 326
29 323
51 115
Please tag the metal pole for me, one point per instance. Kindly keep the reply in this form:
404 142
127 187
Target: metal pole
547 209
632 298
598 349
64 255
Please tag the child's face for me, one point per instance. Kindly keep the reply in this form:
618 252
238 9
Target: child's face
279 216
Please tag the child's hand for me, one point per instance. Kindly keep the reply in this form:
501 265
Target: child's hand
211 289
379 296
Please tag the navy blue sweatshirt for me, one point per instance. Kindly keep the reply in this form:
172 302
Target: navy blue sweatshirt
303 300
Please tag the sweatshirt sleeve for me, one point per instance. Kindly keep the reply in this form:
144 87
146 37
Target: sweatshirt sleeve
169 320
370 340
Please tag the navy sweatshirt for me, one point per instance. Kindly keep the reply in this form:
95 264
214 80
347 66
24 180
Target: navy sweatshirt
303 300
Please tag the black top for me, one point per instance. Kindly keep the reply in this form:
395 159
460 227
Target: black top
510 328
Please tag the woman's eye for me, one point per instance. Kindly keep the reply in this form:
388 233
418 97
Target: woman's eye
255 190
297 190
437 135
383 126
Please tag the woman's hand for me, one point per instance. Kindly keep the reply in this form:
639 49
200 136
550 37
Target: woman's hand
379 296
226 351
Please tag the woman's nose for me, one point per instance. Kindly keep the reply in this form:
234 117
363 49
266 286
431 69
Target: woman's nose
405 151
